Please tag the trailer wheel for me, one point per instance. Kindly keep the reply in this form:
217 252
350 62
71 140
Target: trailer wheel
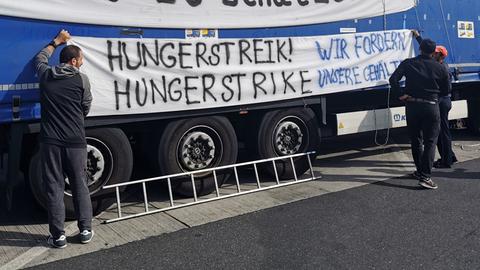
474 116
195 144
109 161
287 132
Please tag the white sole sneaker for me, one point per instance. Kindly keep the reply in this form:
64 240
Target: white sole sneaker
59 243
89 239
426 185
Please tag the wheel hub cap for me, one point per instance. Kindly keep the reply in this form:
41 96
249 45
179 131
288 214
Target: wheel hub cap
288 138
95 164
198 150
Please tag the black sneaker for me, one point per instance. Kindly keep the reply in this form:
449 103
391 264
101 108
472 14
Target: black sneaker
86 236
427 183
60 242
416 175
440 165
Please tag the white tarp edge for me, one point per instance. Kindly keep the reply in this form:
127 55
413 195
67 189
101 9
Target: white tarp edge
201 13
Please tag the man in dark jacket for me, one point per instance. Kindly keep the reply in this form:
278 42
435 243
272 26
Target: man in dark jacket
65 99
425 81
444 142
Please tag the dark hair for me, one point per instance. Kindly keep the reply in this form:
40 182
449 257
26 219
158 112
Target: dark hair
69 52
428 46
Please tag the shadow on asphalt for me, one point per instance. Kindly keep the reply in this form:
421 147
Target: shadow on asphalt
26 212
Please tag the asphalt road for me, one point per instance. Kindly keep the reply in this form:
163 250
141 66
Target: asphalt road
385 225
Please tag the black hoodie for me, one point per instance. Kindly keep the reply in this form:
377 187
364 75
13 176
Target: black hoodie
65 99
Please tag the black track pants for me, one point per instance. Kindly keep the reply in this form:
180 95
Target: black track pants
57 163
444 143
423 121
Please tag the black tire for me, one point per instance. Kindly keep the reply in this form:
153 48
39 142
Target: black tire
116 166
214 140
287 132
473 122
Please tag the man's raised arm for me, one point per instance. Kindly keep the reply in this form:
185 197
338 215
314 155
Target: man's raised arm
41 60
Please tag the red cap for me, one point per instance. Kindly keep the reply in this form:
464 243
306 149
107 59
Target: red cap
442 50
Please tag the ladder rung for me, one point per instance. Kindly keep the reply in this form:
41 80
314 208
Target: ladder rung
293 168
194 188
276 172
237 180
216 183
119 207
170 193
311 167
145 199
256 176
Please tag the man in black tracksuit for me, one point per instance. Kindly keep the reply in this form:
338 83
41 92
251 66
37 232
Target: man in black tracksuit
444 142
65 99
426 80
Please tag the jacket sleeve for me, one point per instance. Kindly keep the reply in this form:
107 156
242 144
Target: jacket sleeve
41 62
450 75
87 95
445 84
419 39
396 77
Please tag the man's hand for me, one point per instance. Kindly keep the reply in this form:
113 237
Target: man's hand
404 97
62 37
415 33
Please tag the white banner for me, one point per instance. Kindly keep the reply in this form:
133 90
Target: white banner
201 13
133 76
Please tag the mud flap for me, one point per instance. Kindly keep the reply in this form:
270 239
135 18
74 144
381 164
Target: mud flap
14 142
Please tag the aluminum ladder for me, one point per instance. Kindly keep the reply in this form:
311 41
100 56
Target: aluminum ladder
196 200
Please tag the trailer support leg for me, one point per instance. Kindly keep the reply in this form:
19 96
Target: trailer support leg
323 102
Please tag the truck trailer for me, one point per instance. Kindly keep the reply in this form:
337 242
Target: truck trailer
182 85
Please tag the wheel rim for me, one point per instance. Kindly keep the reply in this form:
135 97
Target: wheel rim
289 136
99 166
199 147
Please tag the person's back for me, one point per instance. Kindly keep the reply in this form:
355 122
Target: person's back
62 91
425 78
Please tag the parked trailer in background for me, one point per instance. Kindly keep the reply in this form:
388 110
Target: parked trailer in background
183 83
